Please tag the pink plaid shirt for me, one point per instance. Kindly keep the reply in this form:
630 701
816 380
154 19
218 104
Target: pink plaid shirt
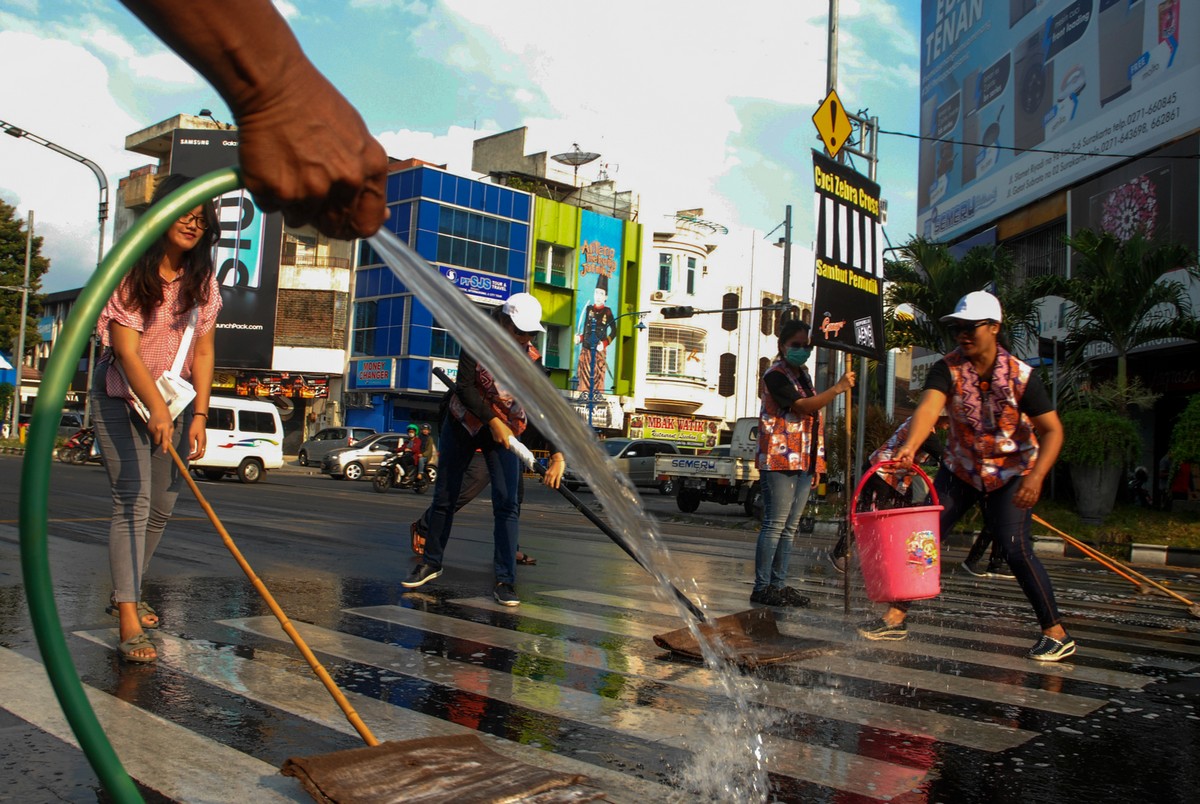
161 332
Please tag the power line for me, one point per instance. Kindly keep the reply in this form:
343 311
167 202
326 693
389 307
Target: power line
1035 150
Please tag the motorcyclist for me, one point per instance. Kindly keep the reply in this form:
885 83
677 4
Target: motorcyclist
428 450
410 452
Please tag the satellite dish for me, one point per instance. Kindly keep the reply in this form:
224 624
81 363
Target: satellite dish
575 158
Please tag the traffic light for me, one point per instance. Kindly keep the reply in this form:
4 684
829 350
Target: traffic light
727 379
682 311
729 316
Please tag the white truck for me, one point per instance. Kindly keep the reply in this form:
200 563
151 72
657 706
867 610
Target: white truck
725 475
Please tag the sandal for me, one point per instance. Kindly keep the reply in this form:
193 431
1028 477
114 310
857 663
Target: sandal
137 642
144 610
526 560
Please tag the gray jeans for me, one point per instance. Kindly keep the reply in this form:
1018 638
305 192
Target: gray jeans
145 483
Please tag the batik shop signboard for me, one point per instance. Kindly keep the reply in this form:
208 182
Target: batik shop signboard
598 280
848 298
247 257
683 431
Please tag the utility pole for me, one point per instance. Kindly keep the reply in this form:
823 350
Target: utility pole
787 258
19 362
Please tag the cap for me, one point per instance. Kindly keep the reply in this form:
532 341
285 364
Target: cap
525 312
978 305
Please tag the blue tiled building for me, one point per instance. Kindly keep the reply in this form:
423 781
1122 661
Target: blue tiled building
476 234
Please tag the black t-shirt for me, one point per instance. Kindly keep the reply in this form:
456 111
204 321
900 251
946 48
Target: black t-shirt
783 391
1034 402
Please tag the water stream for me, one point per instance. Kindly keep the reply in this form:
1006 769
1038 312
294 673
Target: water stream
730 761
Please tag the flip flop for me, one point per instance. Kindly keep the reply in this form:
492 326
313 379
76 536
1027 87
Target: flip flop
137 642
527 561
418 541
144 610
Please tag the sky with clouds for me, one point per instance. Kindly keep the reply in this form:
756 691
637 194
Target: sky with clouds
691 104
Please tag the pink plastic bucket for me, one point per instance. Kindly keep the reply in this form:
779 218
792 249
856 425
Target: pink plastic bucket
899 549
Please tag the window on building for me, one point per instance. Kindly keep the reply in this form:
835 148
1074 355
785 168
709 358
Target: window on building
666 265
676 351
1041 252
691 276
471 240
366 318
552 264
554 354
305 247
442 343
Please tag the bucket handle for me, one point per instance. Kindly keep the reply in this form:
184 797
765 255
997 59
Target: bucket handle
876 467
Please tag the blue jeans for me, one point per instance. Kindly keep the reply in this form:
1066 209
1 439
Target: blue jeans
1010 527
784 496
145 484
455 451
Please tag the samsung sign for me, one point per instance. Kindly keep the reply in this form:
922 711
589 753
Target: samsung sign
476 283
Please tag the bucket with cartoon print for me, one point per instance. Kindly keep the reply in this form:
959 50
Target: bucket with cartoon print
899 548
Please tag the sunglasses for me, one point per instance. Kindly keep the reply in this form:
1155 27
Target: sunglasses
962 329
199 220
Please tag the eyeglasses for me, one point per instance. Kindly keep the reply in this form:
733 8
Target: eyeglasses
962 329
199 220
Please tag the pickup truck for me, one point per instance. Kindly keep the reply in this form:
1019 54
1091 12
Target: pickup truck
725 475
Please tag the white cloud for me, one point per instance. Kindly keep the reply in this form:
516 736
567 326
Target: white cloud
287 10
162 66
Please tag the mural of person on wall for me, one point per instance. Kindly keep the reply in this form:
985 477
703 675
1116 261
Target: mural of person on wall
595 330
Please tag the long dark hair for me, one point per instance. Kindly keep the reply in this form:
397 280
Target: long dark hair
790 328
143 287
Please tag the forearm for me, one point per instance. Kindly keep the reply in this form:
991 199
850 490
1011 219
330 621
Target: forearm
203 360
1050 443
247 52
806 405
924 418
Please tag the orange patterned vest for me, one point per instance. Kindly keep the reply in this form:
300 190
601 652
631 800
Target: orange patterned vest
786 439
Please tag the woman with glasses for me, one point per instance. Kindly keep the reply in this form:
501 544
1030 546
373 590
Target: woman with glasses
1004 437
791 453
482 415
169 299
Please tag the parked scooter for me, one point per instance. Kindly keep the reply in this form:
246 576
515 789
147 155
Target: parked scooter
394 473
80 448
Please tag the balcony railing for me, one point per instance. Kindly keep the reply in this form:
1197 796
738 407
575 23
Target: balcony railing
314 261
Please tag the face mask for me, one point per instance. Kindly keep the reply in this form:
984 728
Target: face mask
798 356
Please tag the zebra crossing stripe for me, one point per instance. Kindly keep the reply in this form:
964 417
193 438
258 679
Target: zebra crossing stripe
163 756
305 697
810 763
831 704
980 689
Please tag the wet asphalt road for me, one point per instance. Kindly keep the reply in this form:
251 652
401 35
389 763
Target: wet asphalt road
570 678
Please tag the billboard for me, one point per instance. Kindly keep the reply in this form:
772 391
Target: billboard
247 258
848 297
597 281
1027 97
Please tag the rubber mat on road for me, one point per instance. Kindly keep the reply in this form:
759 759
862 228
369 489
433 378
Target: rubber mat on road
749 639
458 768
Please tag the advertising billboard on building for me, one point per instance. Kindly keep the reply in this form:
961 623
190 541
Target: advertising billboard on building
597 281
1022 98
247 259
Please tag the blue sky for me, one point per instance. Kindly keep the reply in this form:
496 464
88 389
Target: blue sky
691 104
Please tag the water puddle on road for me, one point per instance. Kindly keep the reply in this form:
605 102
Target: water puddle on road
730 762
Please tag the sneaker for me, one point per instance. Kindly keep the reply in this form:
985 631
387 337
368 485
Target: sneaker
838 562
418 541
999 569
1049 649
975 569
421 575
790 597
879 629
767 597
505 595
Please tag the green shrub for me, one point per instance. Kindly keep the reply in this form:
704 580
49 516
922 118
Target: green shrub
1098 437
1185 437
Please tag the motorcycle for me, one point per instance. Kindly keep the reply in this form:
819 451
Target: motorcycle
80 448
394 473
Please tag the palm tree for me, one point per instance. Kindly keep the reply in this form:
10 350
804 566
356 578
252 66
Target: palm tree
929 280
1119 294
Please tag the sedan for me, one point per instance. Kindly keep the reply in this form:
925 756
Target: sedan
313 451
363 459
634 457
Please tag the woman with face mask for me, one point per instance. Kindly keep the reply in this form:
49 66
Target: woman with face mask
791 453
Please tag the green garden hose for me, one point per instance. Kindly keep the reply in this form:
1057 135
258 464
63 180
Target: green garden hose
35 474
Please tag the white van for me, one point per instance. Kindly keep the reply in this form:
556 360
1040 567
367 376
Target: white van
244 436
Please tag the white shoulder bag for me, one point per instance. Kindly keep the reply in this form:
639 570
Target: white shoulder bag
176 391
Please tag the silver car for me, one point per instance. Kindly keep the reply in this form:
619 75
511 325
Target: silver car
634 457
363 459
313 451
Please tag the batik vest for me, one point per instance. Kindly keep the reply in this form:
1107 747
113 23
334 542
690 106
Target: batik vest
896 477
991 441
788 440
502 402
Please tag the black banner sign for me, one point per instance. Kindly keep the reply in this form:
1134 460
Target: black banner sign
848 299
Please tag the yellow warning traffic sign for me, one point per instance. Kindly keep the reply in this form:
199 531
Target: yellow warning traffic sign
832 122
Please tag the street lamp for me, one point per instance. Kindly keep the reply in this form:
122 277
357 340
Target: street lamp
20 133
